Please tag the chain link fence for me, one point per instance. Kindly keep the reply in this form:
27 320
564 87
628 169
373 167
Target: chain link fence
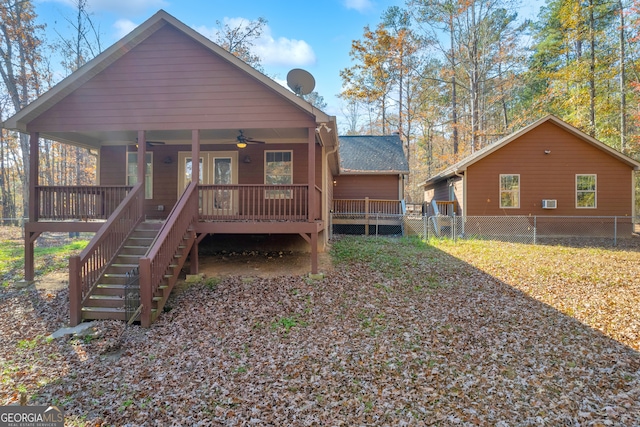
519 229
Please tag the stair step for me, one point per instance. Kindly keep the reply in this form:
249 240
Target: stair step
149 226
114 279
111 289
104 313
106 301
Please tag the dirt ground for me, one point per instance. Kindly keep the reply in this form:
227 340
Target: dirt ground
247 264
262 264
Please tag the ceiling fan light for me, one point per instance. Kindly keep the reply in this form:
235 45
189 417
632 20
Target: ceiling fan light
241 144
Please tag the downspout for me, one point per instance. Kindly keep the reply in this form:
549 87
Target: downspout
464 190
329 209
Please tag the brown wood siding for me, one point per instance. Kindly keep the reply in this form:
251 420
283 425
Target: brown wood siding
380 187
438 192
549 176
165 172
170 81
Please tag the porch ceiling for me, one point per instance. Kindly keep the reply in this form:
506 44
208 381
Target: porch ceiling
96 139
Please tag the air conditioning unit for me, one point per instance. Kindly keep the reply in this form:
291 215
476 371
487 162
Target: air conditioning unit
549 204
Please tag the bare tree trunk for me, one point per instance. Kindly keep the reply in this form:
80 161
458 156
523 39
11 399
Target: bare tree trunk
454 105
623 83
592 71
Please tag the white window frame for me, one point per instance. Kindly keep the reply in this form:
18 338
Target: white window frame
509 191
148 189
277 194
594 191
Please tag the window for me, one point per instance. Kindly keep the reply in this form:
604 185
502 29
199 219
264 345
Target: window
278 170
586 191
132 172
509 191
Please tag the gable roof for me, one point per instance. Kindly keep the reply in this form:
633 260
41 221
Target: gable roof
21 119
372 155
462 165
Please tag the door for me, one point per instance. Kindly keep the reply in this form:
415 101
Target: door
216 168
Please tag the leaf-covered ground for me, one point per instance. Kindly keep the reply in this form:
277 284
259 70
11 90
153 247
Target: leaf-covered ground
399 333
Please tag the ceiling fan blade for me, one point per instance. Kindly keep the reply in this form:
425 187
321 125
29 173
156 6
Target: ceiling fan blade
254 141
152 143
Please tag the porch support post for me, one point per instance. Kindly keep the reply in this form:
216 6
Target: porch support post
195 177
75 292
142 154
314 252
29 258
146 298
311 177
34 162
29 237
193 257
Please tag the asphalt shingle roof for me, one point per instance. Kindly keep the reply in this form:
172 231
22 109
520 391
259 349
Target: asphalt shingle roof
372 154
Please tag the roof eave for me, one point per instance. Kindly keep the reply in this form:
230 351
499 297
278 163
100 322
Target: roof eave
22 118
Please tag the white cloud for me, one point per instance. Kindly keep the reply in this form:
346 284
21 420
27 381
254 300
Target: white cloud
124 27
279 51
283 51
359 5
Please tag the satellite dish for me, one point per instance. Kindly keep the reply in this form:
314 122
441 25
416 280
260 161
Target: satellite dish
300 81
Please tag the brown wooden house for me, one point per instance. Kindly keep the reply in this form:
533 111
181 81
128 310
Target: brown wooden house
371 175
147 106
547 168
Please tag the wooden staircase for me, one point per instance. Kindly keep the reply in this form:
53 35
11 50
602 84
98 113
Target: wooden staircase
107 301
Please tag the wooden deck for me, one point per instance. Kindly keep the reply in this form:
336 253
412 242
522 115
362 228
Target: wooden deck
115 213
369 213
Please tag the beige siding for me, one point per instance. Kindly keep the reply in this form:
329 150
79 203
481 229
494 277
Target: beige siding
549 176
171 82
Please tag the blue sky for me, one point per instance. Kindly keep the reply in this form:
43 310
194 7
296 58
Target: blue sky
313 35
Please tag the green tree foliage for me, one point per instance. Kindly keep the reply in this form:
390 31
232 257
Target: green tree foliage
456 75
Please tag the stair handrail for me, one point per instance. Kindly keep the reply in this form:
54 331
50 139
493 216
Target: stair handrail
155 263
86 269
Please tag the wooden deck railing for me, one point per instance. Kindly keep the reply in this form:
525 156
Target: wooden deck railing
162 253
367 206
448 208
82 202
256 202
86 268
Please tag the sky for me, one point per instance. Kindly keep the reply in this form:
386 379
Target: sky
313 35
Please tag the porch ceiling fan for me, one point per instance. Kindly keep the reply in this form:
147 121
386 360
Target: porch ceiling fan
242 140
151 143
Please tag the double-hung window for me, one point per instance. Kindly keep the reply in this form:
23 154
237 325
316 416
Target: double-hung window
278 170
509 191
586 191
132 172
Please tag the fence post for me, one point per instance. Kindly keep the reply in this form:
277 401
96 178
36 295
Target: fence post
330 225
377 222
615 231
424 227
453 228
535 229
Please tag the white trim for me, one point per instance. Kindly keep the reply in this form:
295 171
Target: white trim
182 158
149 180
265 172
595 191
500 190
